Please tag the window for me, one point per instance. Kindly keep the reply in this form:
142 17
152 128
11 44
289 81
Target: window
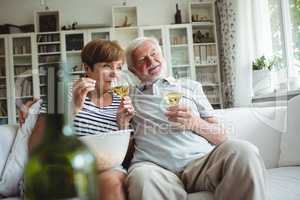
285 30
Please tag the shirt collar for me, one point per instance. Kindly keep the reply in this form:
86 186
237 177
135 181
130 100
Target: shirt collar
165 80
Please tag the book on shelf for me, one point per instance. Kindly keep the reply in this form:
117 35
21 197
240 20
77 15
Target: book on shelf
203 54
3 109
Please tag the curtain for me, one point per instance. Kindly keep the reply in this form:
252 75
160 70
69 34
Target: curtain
226 16
244 34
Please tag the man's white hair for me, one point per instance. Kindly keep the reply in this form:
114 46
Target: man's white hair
134 45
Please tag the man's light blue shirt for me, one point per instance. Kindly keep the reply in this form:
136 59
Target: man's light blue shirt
158 140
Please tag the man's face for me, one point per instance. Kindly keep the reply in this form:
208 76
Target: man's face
148 61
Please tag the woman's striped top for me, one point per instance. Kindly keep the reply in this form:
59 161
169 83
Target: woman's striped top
92 120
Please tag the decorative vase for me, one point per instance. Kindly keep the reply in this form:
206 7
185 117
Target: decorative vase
262 82
178 19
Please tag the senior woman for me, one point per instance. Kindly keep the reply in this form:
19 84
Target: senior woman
98 110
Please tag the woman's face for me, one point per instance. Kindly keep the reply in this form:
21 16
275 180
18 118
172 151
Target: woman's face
104 73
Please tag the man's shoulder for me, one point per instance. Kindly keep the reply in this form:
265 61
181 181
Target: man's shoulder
189 84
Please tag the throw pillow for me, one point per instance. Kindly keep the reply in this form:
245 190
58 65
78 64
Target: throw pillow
14 167
290 148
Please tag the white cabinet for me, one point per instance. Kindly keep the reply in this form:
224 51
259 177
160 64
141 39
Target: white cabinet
205 46
124 35
49 62
124 16
23 72
157 32
4 81
180 51
72 44
176 44
103 33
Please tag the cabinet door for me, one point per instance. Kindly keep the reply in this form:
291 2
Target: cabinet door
205 46
72 44
156 32
124 35
180 51
4 82
22 66
104 34
49 60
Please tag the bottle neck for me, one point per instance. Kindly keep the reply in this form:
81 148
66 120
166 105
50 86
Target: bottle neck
52 126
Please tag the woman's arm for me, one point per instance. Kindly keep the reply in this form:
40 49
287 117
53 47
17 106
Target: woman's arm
125 113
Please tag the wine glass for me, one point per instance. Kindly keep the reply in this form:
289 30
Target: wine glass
120 85
172 95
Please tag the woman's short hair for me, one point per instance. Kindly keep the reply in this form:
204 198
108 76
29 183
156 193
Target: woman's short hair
101 51
134 45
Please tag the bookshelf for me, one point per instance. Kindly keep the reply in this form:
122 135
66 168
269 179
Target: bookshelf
22 74
180 52
205 49
4 82
49 59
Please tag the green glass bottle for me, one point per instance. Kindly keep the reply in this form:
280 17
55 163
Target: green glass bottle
60 167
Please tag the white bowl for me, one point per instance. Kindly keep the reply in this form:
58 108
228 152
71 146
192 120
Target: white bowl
109 148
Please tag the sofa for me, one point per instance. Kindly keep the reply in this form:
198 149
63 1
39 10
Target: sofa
262 126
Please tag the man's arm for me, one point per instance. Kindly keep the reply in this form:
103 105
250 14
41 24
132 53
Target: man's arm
209 128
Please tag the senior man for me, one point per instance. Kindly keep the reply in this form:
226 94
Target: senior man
183 149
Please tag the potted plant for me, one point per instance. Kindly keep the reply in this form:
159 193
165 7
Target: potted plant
263 78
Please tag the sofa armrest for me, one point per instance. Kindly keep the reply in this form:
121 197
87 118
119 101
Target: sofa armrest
260 126
7 136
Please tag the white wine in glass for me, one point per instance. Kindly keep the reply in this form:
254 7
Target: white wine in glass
121 90
172 98
120 85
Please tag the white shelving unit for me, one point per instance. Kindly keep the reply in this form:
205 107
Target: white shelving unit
4 82
48 40
125 24
180 51
158 32
124 35
205 46
47 21
49 60
23 71
191 51
71 46
124 16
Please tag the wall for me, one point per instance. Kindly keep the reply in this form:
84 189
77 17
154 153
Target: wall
151 12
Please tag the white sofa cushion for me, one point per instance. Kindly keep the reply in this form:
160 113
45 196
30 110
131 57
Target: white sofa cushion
260 126
284 183
7 134
201 196
290 141
14 166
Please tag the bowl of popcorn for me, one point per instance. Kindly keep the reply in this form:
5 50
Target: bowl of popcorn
109 148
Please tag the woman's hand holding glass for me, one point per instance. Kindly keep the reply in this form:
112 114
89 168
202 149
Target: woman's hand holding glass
120 86
80 90
125 112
